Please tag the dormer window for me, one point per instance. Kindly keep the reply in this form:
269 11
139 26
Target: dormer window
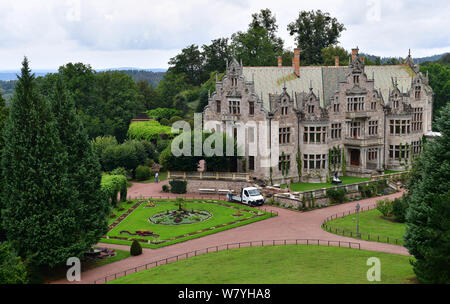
395 103
310 109
234 82
218 109
284 110
356 79
417 92
251 108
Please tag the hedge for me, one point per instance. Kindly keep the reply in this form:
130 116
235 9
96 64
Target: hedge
178 186
113 184
147 130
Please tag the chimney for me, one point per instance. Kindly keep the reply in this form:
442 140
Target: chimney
336 61
354 54
296 62
280 61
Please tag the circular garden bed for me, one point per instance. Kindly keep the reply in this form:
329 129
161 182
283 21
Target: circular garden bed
180 217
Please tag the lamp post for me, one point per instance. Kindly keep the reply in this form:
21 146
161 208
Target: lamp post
357 219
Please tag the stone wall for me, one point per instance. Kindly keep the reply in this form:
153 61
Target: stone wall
193 185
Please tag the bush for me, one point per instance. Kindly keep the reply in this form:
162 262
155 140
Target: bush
174 119
178 186
165 188
369 190
381 185
385 207
143 173
119 171
336 196
399 207
136 248
164 122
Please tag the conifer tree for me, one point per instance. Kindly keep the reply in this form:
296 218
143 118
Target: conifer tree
428 217
38 215
91 205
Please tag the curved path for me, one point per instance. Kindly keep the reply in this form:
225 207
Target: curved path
287 225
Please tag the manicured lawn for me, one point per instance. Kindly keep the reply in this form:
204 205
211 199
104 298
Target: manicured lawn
370 222
161 177
118 213
289 264
223 217
298 187
393 171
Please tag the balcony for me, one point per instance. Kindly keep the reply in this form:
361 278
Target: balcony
231 117
358 114
363 142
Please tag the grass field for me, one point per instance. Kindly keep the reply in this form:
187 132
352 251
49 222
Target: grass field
289 264
222 219
298 187
371 222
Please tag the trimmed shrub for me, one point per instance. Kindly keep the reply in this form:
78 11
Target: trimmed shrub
165 188
385 207
369 190
174 119
336 196
164 122
136 248
147 130
143 173
119 171
112 184
178 186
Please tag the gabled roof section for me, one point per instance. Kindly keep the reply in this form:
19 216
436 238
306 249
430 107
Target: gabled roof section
324 79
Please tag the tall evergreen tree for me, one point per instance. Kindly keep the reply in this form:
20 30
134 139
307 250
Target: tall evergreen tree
428 217
91 206
38 215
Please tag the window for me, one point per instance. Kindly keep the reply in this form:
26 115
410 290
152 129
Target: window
314 161
398 152
313 135
356 79
251 108
218 110
416 147
310 109
284 135
417 91
233 82
336 130
251 163
373 127
336 107
373 105
399 126
284 110
234 106
355 129
395 103
417 119
372 154
355 104
284 160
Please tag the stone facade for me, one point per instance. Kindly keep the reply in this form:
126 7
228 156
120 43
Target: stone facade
371 117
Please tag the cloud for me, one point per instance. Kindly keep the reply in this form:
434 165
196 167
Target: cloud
104 32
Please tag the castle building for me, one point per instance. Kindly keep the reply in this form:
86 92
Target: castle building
355 119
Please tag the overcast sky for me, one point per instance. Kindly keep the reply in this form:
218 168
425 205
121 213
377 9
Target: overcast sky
146 33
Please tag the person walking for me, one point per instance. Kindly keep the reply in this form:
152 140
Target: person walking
156 177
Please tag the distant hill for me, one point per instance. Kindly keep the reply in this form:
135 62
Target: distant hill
8 78
416 60
152 77
444 60
6 75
